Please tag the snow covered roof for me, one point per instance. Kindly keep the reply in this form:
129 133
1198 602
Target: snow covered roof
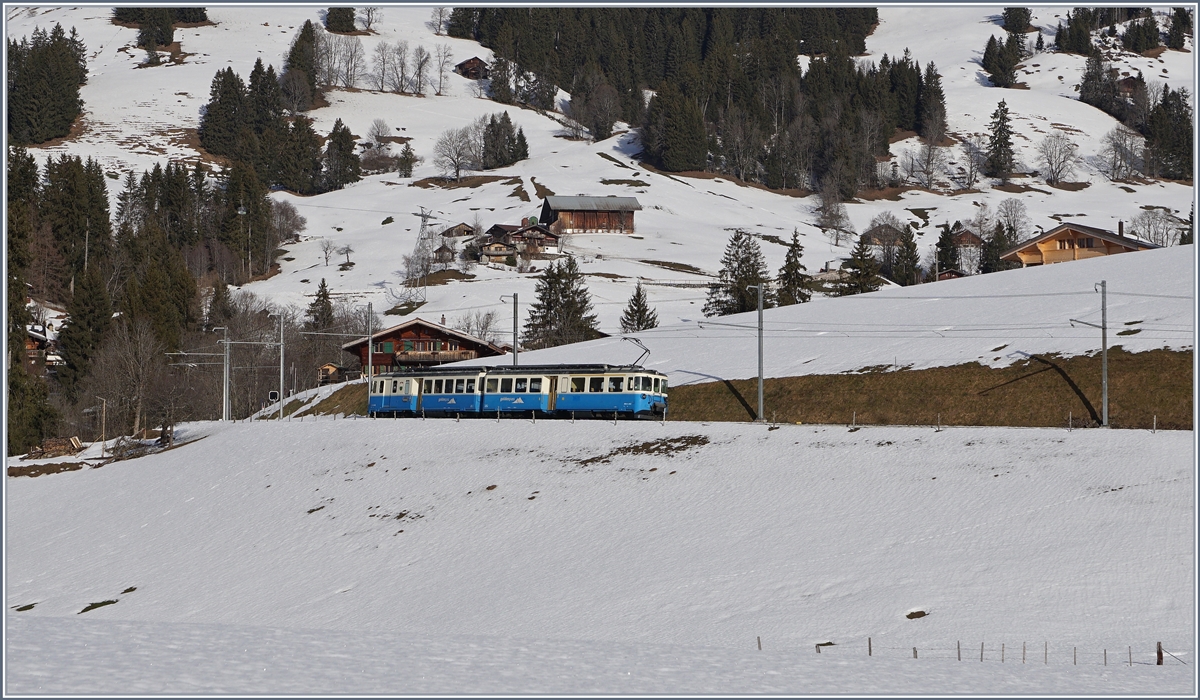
583 203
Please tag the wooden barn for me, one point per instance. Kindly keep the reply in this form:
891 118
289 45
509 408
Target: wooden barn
1073 242
474 68
419 343
459 230
583 214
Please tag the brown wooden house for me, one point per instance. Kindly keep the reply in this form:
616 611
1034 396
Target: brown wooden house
1073 242
458 230
882 235
474 68
496 252
419 343
583 214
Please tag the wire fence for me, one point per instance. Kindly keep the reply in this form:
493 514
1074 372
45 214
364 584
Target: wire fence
1018 652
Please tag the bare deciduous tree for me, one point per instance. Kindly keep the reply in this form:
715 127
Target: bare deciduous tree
420 69
398 75
975 157
1157 226
932 156
327 248
443 55
1012 214
371 16
484 325
293 87
1122 153
286 220
455 151
346 250
438 19
352 60
379 132
831 214
381 65
1058 156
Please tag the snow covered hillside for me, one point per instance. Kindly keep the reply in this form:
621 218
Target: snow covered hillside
136 117
594 557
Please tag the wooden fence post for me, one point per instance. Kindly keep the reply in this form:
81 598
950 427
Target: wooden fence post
914 652
818 648
1001 652
1046 653
1106 657
981 652
1130 656
1022 652
868 646
1074 656
759 643
1160 659
959 651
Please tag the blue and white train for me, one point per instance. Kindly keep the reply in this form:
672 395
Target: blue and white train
553 391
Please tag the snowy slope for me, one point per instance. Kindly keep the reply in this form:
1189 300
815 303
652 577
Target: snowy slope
136 117
994 319
799 535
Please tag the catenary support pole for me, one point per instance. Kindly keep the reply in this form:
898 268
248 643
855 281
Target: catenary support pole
1104 347
370 355
281 372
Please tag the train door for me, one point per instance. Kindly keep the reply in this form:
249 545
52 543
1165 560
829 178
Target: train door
553 394
420 393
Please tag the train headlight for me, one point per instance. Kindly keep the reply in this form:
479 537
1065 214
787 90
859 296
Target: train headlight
643 396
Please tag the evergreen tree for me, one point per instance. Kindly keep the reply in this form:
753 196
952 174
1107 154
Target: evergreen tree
301 62
861 272
742 266
563 312
220 306
638 315
1040 46
1000 148
946 251
1016 19
341 162
31 419
1169 142
907 268
340 19
299 168
932 104
408 158
674 134
995 245
1141 35
89 316
157 28
44 76
520 146
320 311
793 283
1181 24
501 75
224 115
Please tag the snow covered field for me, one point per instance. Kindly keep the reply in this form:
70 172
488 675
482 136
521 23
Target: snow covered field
633 558
629 558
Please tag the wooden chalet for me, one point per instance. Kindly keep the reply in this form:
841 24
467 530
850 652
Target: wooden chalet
951 274
1073 242
583 214
882 235
459 230
444 255
330 373
496 252
419 343
535 240
964 237
474 68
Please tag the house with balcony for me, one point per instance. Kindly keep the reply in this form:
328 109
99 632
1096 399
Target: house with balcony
1073 241
419 343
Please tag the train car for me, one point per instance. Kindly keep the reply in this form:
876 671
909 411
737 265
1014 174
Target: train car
555 391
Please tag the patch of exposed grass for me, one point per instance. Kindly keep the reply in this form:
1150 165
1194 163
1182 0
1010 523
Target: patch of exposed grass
675 266
349 400
93 606
541 190
605 156
404 309
449 184
520 193
630 183
1038 392
40 469
665 447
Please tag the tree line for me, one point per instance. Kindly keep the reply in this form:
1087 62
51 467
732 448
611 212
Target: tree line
45 72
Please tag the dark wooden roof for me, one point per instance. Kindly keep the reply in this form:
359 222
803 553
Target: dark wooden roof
583 203
1103 234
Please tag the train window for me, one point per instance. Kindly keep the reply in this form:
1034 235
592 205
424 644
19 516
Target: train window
491 386
615 384
407 387
437 386
506 386
459 385
656 386
535 385
664 387
596 385
577 384
470 386
395 386
428 386
522 385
